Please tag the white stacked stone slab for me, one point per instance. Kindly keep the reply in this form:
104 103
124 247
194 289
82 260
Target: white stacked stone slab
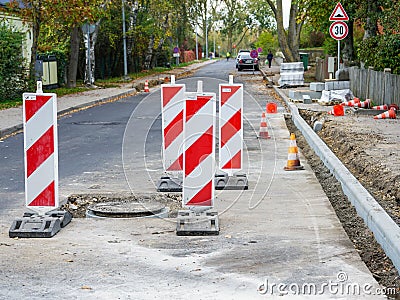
337 85
307 99
298 94
317 86
292 74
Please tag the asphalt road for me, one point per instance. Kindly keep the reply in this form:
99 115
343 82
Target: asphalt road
89 153
90 144
283 230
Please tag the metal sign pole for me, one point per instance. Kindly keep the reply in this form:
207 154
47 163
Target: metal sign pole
338 47
197 46
88 54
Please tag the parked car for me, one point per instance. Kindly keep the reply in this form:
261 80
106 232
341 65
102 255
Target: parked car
241 52
247 62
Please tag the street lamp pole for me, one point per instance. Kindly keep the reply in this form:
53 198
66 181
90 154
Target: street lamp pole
197 46
124 38
214 44
206 53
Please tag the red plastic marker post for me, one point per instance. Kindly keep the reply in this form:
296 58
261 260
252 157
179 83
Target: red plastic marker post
172 104
199 152
230 127
40 151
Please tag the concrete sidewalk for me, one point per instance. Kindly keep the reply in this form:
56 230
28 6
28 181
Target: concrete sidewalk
11 119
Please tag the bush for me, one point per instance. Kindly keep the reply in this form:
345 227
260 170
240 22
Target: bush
12 64
382 51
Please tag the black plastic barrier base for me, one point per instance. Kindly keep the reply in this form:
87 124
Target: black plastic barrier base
197 223
169 184
235 182
33 225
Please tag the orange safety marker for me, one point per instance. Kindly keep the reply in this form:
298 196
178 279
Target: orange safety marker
271 108
263 134
146 87
293 162
337 110
390 114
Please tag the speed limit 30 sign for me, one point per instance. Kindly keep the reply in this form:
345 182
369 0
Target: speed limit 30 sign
338 30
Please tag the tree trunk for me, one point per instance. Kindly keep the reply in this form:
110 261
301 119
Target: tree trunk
149 53
73 57
242 37
282 35
371 27
348 49
93 40
36 30
160 44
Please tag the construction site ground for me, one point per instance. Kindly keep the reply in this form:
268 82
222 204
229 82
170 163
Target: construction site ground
143 259
369 148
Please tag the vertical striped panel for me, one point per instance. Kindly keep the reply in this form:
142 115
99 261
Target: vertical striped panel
172 104
199 152
230 127
40 151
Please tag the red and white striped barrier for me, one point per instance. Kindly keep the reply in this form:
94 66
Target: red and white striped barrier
381 107
40 151
199 152
363 104
351 102
230 127
172 103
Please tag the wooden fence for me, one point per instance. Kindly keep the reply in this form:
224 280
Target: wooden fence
380 87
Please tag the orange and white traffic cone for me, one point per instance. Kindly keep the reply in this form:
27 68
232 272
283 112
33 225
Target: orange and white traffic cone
363 104
146 87
381 107
350 103
390 114
293 162
263 134
337 110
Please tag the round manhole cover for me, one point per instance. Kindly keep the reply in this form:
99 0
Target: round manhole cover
121 209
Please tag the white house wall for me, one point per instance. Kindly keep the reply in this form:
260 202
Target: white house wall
23 27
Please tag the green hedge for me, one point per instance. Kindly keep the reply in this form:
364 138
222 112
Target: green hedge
382 51
12 64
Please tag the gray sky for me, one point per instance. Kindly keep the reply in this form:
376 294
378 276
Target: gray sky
286 10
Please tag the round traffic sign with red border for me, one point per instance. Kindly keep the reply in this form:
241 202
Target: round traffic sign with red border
338 30
254 54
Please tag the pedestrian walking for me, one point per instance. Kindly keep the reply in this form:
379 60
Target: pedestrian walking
270 56
228 55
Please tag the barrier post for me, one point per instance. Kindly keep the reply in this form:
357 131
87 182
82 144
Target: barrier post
231 137
41 168
198 167
172 106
